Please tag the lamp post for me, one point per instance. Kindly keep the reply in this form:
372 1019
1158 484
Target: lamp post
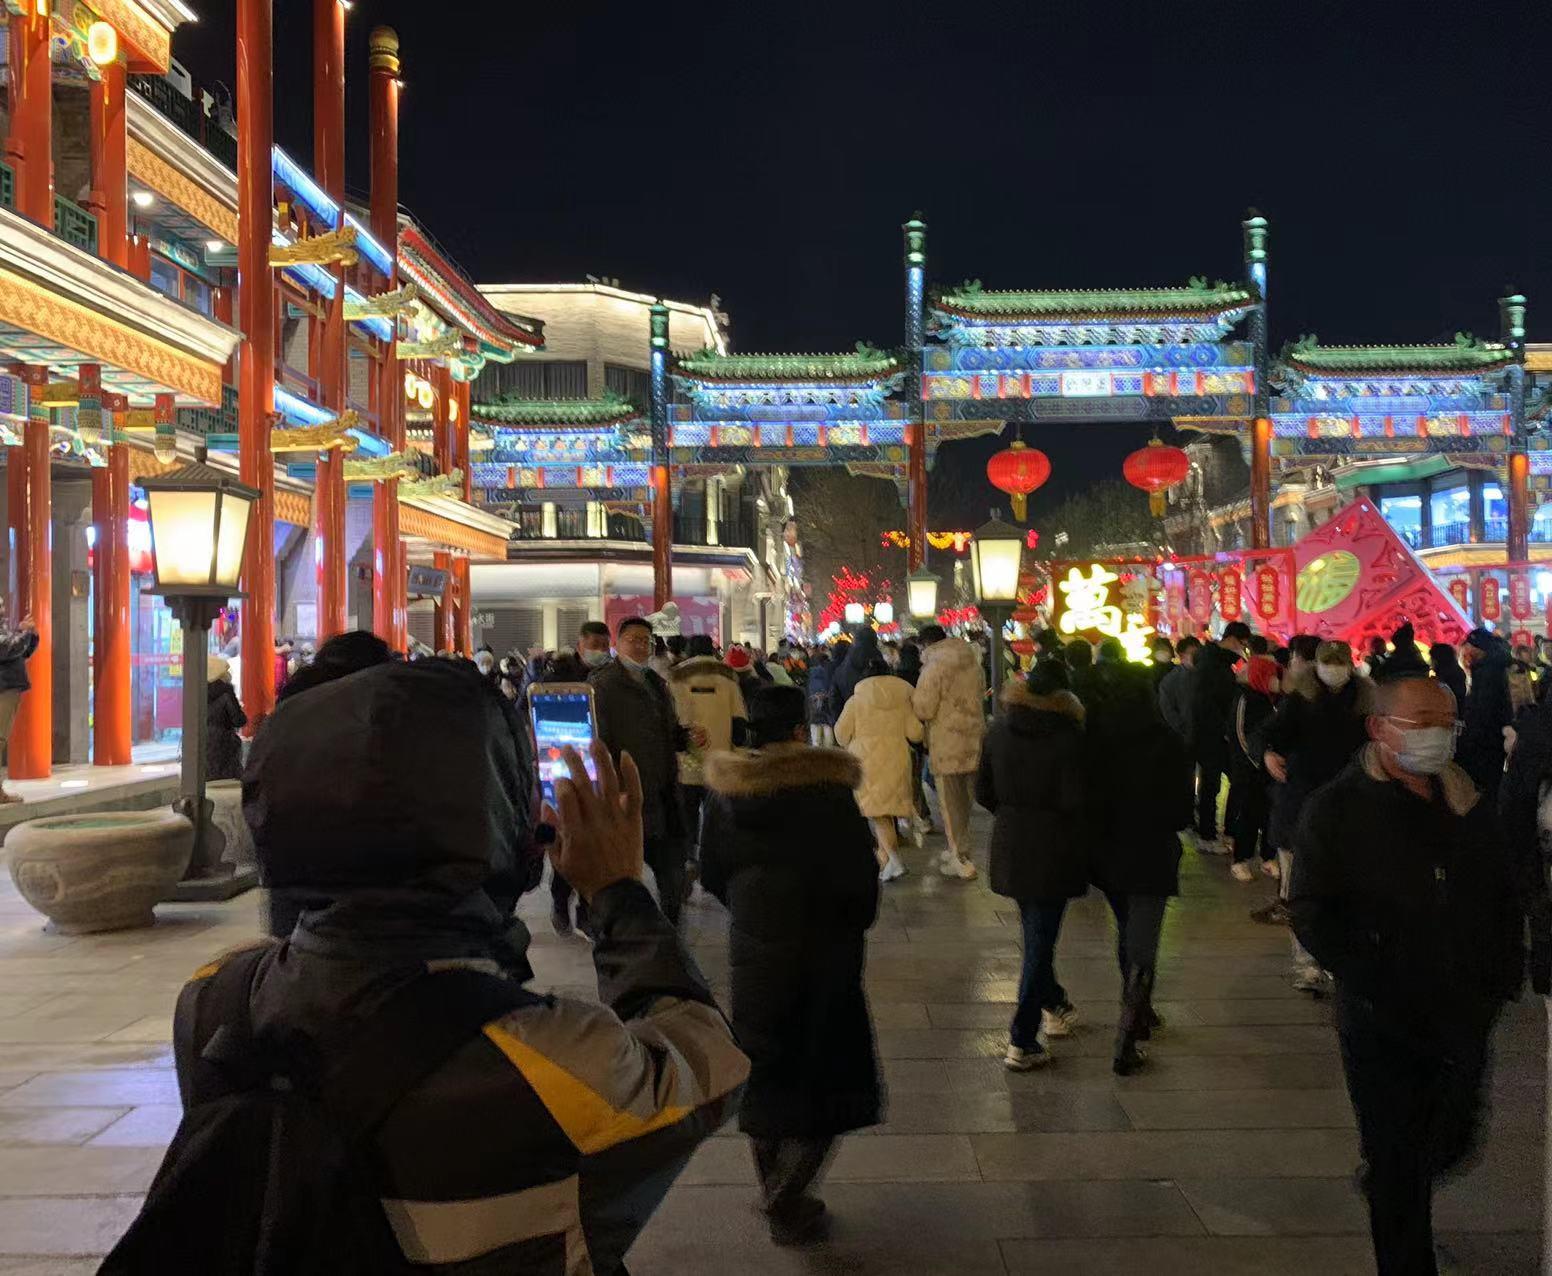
199 519
921 594
995 555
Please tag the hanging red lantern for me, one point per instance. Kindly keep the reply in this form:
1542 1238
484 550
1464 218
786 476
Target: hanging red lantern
1018 471
1156 468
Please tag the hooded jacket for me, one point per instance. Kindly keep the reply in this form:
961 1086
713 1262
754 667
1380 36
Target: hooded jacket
879 726
784 846
1031 779
950 698
707 694
223 718
543 1145
852 668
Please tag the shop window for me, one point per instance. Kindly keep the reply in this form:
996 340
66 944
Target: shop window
166 278
1541 524
1495 513
1405 516
1451 511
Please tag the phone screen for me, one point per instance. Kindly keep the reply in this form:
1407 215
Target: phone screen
560 718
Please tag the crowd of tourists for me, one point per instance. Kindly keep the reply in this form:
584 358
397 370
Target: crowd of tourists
383 1039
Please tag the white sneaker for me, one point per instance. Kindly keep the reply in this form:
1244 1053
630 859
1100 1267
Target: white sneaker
1059 1023
1017 1060
919 830
1272 869
893 870
952 865
1242 872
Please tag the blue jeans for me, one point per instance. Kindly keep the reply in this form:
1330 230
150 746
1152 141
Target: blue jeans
1038 990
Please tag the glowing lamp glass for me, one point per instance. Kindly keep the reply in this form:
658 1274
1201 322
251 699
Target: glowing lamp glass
199 527
854 613
921 594
102 43
411 381
995 554
424 395
884 613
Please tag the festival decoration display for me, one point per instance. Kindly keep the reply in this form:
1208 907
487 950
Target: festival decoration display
1492 599
1268 592
959 542
1519 596
1018 470
851 588
1155 469
1460 591
1230 588
1093 602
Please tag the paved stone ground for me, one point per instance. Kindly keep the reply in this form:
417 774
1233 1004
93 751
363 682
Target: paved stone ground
1232 1153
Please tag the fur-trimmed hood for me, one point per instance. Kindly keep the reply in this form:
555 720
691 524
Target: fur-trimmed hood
701 666
1017 695
779 768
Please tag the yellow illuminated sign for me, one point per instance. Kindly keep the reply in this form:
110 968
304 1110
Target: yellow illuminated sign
1087 605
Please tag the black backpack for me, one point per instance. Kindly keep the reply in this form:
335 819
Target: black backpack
271 1174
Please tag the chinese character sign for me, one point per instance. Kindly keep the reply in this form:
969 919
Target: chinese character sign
1268 591
1175 601
1519 596
1460 591
1200 594
1492 603
1089 604
1230 604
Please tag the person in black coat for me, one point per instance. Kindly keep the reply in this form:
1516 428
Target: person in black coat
784 846
1134 847
1212 705
1446 668
1404 889
853 668
1255 700
1031 779
224 717
1489 709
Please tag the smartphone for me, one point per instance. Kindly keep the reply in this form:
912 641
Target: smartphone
562 714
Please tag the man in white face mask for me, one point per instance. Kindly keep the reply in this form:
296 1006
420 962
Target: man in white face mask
1403 890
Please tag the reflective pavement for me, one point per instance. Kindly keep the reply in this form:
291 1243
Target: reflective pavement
1232 1153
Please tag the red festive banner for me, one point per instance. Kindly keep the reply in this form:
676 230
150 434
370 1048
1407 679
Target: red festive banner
1175 600
1522 638
1201 597
1268 591
1519 596
1492 603
1230 604
1460 591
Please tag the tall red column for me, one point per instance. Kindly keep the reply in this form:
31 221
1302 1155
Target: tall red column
463 607
109 200
916 496
442 638
31 752
111 734
329 163
1261 483
1519 507
29 147
441 419
461 396
662 538
256 313
388 596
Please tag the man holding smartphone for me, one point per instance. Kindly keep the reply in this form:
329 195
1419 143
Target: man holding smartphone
636 715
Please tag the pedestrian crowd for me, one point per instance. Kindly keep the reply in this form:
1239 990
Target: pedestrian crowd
382 1041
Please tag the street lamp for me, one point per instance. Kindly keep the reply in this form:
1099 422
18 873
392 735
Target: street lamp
854 613
995 554
199 527
921 594
884 613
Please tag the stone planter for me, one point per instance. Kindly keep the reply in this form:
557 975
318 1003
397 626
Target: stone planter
101 871
226 798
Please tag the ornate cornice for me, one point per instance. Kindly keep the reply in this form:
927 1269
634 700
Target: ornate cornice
456 525
178 188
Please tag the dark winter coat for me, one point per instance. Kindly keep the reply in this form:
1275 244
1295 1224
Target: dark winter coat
1453 676
820 675
1489 709
1031 779
636 715
1252 711
1409 903
853 668
224 717
1527 784
16 647
1212 704
1316 731
1175 691
1133 845
784 846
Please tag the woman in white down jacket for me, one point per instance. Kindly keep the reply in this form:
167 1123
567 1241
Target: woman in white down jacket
879 726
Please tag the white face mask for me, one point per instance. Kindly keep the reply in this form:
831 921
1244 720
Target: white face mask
595 659
1425 750
1334 676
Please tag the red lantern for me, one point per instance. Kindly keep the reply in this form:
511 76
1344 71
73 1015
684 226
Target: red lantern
1156 469
1018 471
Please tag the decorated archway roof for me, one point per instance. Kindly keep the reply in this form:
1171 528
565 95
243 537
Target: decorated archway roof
444 286
1464 355
972 301
863 365
561 413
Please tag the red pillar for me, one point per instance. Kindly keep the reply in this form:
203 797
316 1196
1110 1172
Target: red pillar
662 538
109 199
29 147
442 633
916 496
256 381
1261 483
441 420
1519 507
388 598
463 610
31 753
111 735
461 396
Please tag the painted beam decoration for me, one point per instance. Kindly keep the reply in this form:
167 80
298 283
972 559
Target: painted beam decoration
1089 355
1393 400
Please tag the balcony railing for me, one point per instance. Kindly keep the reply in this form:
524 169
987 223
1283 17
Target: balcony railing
212 421
188 116
75 225
571 524
7 187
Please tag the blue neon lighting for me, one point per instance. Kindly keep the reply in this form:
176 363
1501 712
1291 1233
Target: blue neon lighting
298 410
373 251
370 443
311 195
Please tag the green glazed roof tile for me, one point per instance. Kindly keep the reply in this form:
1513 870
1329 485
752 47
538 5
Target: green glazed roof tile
537 412
1465 354
862 364
1197 297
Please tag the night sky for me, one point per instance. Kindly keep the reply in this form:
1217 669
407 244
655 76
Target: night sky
768 153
